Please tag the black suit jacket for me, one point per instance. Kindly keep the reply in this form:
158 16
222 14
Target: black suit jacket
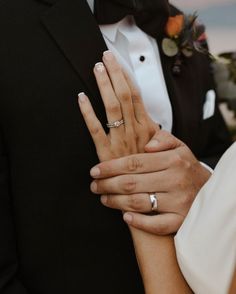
55 236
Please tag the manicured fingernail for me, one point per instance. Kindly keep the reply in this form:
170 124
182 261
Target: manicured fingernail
82 97
94 187
99 67
104 199
128 218
153 144
108 55
95 172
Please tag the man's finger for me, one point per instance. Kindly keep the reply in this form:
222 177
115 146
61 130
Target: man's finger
136 202
161 224
134 184
166 202
133 164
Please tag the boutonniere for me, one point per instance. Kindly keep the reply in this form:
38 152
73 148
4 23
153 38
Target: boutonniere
183 36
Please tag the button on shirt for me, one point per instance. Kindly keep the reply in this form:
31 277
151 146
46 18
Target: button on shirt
138 54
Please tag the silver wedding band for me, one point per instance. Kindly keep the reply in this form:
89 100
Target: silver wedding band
153 200
115 124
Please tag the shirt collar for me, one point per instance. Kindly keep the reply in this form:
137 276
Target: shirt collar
110 31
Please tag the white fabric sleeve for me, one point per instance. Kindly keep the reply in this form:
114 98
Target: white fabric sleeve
207 167
206 242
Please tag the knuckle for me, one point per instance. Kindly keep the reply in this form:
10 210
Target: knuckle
186 201
177 160
109 201
187 165
95 130
113 107
135 203
129 185
133 164
125 97
135 96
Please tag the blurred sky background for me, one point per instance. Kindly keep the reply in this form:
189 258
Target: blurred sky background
220 19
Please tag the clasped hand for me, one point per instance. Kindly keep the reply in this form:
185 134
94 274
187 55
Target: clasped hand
137 158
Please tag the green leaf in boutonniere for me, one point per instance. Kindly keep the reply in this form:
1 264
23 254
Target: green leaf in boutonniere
224 67
169 47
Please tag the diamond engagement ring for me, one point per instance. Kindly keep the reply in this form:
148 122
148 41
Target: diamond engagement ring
115 124
153 200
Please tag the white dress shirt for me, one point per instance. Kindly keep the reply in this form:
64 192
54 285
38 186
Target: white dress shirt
138 53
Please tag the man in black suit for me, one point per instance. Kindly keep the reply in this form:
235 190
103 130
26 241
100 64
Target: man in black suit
55 237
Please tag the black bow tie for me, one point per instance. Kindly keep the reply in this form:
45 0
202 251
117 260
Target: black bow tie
150 15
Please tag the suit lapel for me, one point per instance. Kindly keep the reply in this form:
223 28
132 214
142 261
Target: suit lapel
73 27
185 97
184 93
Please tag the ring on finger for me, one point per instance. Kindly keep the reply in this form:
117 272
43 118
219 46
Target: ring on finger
154 201
115 124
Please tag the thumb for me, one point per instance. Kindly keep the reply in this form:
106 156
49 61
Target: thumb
161 224
162 141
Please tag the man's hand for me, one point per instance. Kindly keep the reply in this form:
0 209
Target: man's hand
174 174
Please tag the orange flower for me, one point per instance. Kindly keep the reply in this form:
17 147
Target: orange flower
174 25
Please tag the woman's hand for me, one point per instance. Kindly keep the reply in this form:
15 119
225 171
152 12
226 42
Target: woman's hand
122 101
125 180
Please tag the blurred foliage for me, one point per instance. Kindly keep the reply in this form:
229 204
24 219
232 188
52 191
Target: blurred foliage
225 78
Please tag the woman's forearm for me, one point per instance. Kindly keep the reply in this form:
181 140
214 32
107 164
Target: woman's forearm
158 263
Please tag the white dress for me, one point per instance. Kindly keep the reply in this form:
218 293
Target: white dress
206 242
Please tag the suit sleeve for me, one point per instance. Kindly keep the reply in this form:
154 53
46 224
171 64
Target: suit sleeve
9 283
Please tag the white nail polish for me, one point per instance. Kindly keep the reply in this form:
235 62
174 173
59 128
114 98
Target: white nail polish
82 97
99 67
108 55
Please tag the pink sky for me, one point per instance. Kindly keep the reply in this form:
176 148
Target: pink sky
200 3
